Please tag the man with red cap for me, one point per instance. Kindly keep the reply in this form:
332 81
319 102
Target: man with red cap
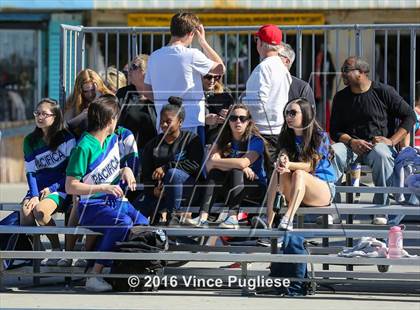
268 86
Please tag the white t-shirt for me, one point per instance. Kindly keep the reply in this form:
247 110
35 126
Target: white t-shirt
267 92
176 70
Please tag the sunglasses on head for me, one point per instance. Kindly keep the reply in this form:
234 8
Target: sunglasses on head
242 118
292 113
133 67
211 77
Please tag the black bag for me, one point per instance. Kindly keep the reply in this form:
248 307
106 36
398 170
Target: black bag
14 242
152 241
293 244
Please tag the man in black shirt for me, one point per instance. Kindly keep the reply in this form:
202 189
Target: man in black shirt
363 115
299 88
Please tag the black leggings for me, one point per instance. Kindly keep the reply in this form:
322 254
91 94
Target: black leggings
233 186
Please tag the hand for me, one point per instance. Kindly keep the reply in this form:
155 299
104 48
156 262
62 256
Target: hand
32 203
249 174
44 193
201 34
283 161
112 190
212 119
127 177
158 174
223 113
215 156
380 139
360 146
282 170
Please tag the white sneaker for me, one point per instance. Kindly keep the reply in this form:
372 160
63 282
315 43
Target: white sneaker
65 262
80 263
50 262
96 284
286 224
380 220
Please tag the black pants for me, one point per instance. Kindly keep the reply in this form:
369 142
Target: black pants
233 186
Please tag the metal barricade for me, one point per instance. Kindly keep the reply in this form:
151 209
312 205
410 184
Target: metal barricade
390 49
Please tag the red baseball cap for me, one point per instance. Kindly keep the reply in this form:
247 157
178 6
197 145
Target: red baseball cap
270 34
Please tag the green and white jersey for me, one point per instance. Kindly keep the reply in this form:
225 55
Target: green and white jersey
93 163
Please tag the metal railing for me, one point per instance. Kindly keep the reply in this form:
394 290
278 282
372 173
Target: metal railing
390 49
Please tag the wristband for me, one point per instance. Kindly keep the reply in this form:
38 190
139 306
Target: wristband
349 142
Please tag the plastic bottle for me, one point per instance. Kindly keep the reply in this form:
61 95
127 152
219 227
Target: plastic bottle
395 241
355 171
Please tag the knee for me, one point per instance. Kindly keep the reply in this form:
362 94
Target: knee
382 152
298 175
173 176
125 221
340 149
40 215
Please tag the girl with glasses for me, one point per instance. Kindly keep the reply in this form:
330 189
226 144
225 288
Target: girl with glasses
46 152
303 171
235 167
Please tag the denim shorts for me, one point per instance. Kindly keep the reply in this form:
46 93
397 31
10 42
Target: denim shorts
331 185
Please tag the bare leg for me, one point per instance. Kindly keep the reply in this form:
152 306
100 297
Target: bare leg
308 189
26 216
42 213
273 187
73 222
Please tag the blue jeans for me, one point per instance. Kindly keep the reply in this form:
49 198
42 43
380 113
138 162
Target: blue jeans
173 193
380 159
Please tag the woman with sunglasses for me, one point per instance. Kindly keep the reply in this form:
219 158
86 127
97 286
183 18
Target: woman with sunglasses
218 101
46 151
235 167
95 174
87 86
303 171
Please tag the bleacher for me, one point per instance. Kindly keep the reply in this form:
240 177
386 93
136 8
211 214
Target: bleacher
330 240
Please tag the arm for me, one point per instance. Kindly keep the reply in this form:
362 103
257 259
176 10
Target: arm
300 166
148 92
218 67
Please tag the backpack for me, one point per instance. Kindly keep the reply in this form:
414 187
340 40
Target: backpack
152 241
293 244
14 242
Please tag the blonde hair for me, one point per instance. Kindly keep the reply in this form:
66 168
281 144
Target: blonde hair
75 101
218 87
113 78
141 61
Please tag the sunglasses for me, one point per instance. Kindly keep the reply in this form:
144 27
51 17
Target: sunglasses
211 77
241 118
348 69
133 67
292 113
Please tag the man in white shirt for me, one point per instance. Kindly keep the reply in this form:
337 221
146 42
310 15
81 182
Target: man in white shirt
268 86
176 70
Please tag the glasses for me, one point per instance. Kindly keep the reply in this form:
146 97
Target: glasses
42 114
292 113
211 77
241 118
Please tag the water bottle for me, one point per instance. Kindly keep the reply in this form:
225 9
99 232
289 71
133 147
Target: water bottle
395 241
355 172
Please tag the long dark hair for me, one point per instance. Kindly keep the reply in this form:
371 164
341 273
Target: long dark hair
226 137
55 132
312 135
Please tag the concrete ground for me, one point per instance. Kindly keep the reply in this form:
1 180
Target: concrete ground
203 300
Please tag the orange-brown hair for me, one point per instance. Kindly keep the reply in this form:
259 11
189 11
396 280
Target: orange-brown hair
183 23
75 100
